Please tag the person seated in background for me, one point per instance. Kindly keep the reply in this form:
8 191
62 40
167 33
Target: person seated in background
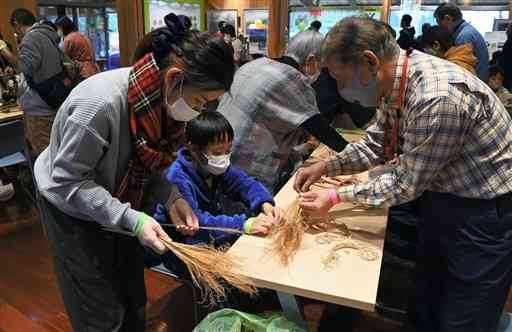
406 38
203 175
77 47
439 42
496 79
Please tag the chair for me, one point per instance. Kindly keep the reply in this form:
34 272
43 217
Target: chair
14 151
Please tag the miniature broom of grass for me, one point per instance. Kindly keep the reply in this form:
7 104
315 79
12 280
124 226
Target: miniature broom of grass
211 270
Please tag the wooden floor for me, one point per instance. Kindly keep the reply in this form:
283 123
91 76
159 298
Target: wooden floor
29 298
30 301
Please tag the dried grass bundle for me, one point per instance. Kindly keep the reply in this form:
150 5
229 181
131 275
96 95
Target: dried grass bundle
211 270
288 237
342 242
324 152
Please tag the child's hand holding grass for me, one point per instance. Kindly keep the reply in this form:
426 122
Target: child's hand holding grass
274 212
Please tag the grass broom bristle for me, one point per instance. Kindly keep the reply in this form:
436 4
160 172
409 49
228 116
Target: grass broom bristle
288 237
211 270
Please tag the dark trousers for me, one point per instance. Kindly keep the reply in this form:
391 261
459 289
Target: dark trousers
100 274
464 263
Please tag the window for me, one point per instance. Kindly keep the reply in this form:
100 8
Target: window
51 13
481 19
301 18
418 19
98 23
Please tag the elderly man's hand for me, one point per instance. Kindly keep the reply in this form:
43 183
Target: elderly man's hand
306 176
183 217
316 203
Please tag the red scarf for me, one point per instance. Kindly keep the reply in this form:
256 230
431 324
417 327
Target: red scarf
150 131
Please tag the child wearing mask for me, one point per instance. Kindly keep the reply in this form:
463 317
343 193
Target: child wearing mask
496 78
203 174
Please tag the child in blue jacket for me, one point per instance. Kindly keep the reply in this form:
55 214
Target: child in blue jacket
202 172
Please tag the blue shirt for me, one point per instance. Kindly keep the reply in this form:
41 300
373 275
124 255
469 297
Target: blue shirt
467 34
204 199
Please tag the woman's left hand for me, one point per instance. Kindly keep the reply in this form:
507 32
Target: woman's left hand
316 202
274 212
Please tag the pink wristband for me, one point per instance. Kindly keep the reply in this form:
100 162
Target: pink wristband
333 196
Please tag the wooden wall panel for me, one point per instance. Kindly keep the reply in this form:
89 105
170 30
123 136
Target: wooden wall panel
6 9
131 27
386 8
278 25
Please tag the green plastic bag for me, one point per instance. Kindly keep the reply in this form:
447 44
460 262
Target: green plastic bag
229 320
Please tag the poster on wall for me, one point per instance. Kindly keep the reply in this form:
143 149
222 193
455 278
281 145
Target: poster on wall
256 29
230 16
155 11
300 19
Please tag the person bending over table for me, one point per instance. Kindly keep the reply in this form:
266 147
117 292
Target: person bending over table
446 138
270 104
112 132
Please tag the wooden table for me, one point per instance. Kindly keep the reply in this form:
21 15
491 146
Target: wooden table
10 113
353 282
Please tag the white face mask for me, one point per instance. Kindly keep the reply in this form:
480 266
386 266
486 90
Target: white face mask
366 96
217 165
180 110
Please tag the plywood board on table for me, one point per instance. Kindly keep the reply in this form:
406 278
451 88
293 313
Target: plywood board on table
352 282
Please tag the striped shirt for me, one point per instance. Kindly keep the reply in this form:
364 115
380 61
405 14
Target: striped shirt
89 151
267 103
455 137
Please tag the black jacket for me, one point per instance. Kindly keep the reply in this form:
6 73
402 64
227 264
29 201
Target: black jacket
505 62
406 38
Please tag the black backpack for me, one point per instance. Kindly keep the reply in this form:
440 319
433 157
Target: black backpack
57 88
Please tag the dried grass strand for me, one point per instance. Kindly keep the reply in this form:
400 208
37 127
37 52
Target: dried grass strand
211 270
288 237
